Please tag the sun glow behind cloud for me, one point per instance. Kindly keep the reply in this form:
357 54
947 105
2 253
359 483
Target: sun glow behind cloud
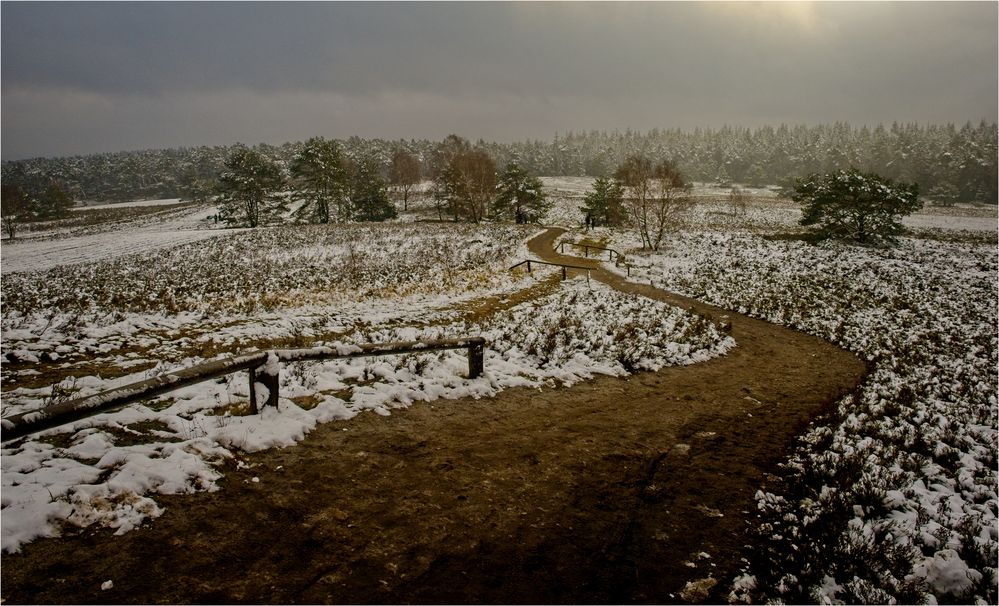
104 76
790 18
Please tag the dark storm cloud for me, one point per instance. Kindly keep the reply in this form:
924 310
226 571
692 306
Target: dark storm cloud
81 77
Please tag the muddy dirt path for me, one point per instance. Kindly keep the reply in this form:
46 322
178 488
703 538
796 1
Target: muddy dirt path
614 490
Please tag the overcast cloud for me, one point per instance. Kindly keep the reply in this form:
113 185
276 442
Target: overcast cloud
91 77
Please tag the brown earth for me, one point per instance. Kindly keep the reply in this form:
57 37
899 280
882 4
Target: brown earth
613 490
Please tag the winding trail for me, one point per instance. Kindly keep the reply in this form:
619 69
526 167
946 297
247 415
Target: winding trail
613 490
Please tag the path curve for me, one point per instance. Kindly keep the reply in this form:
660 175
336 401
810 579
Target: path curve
614 490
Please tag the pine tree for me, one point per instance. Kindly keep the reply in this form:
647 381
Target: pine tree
52 203
319 178
368 194
248 188
520 196
860 206
15 208
605 204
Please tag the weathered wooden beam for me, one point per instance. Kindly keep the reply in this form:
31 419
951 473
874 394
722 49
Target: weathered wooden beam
252 374
61 413
374 349
586 249
265 383
529 261
476 352
263 370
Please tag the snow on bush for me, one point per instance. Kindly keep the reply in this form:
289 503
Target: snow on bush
893 496
106 469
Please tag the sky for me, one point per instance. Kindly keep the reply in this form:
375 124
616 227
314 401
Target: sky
90 77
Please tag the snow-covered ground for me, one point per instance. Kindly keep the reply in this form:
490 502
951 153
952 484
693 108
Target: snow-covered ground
128 316
580 186
939 220
81 474
764 209
132 204
36 254
894 496
284 282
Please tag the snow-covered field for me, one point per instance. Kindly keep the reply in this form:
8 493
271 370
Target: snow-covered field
894 496
891 497
109 323
132 204
65 247
766 212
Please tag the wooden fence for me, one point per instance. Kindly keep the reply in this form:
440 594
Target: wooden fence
562 265
586 249
264 372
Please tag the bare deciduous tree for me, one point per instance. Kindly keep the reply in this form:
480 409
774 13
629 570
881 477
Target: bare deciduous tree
670 201
441 172
464 179
475 183
658 197
737 201
404 173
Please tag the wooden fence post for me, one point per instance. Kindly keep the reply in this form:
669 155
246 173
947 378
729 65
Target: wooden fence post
268 378
253 390
263 369
563 272
528 267
476 350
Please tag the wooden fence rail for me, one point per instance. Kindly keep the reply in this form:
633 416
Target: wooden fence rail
586 249
564 267
263 368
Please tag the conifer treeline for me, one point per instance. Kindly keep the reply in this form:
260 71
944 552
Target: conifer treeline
949 163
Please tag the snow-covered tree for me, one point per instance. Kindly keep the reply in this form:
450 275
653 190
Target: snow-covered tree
605 204
404 173
963 157
368 194
860 206
520 196
319 179
248 188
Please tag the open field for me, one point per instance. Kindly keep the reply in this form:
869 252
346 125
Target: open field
907 460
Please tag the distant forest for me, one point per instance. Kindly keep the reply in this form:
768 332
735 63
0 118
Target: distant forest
950 164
